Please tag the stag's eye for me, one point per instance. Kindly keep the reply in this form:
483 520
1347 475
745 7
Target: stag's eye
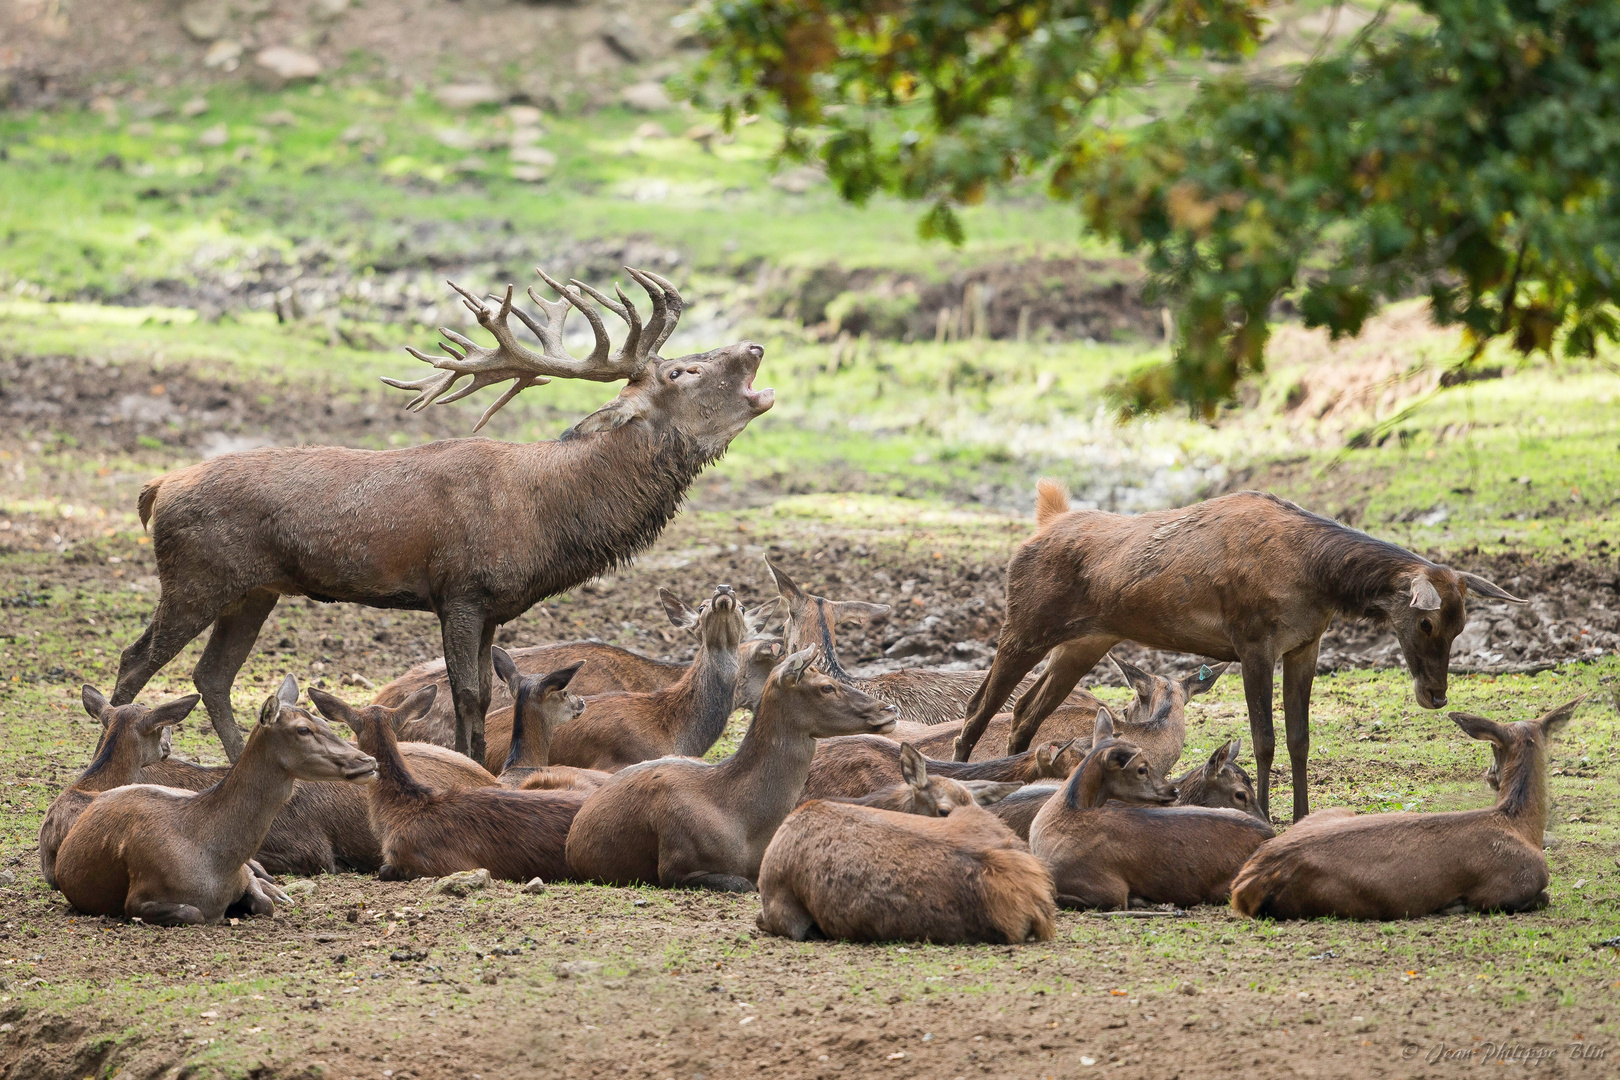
302 730
1426 626
826 689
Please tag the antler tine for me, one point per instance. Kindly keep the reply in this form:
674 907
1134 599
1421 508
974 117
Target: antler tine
672 297
625 310
599 354
667 308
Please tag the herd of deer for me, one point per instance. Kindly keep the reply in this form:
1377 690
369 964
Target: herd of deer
861 808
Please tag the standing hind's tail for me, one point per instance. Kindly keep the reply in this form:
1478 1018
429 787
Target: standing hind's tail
1050 501
149 494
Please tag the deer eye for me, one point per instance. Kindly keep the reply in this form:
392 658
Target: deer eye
826 689
1141 770
1241 796
1426 626
303 730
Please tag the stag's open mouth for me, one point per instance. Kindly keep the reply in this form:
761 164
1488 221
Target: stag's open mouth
759 400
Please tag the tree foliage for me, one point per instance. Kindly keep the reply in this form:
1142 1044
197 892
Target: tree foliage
1471 154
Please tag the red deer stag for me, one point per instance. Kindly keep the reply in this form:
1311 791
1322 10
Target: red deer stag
1245 577
473 530
922 696
541 703
1403 866
1106 854
515 835
177 857
861 873
609 669
680 822
132 738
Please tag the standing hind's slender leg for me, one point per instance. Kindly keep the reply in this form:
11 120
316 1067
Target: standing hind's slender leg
174 625
1006 672
468 637
1070 661
1257 664
235 631
1299 670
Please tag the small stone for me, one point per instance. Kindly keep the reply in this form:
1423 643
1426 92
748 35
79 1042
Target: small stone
530 174
8 878
576 969
282 118
299 888
195 107
462 883
288 64
534 887
534 155
704 135
468 95
525 136
523 116
1189 989
652 130
456 138
646 97
218 135
489 978
331 8
224 54
205 20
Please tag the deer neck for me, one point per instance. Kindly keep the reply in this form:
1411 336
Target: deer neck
231 819
767 774
1084 791
1522 799
394 781
706 691
117 763
1359 575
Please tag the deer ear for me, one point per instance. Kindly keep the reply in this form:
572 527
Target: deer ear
1203 679
416 706
94 703
990 792
679 614
755 619
1488 589
288 691
1557 718
1478 727
616 413
269 710
170 712
857 611
1425 597
337 710
913 769
786 587
1104 729
559 679
793 668
1137 679
506 669
1218 760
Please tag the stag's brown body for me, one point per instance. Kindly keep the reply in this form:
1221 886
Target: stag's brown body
473 530
1402 865
608 669
863 874
855 765
1246 577
680 822
171 856
131 739
1104 854
424 832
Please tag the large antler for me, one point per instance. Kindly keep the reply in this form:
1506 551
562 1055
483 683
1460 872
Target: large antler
510 359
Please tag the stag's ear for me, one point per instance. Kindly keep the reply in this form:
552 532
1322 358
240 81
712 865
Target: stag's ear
679 614
1104 729
559 679
755 619
793 668
417 705
1557 718
990 792
1425 597
94 703
1488 589
1137 679
1203 679
288 691
616 413
857 611
506 668
269 710
1478 727
913 769
170 712
786 587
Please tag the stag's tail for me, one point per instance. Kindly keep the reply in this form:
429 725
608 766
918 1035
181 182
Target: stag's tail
149 495
1050 501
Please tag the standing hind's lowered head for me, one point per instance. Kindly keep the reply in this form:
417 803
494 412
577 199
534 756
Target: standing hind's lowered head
473 530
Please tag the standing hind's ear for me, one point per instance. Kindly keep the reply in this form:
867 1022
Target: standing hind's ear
787 588
1551 721
990 792
1135 678
559 679
1203 679
94 703
679 614
793 668
1478 727
506 669
288 691
170 712
1425 597
846 611
1104 728
1488 588
913 769
755 619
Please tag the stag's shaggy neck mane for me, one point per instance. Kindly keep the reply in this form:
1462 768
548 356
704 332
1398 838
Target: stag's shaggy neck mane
1357 572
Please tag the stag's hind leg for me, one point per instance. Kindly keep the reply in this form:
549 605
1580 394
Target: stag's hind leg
1299 671
175 624
468 640
235 631
1069 662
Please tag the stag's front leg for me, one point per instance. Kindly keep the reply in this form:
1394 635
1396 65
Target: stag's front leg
468 637
1299 671
1258 662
